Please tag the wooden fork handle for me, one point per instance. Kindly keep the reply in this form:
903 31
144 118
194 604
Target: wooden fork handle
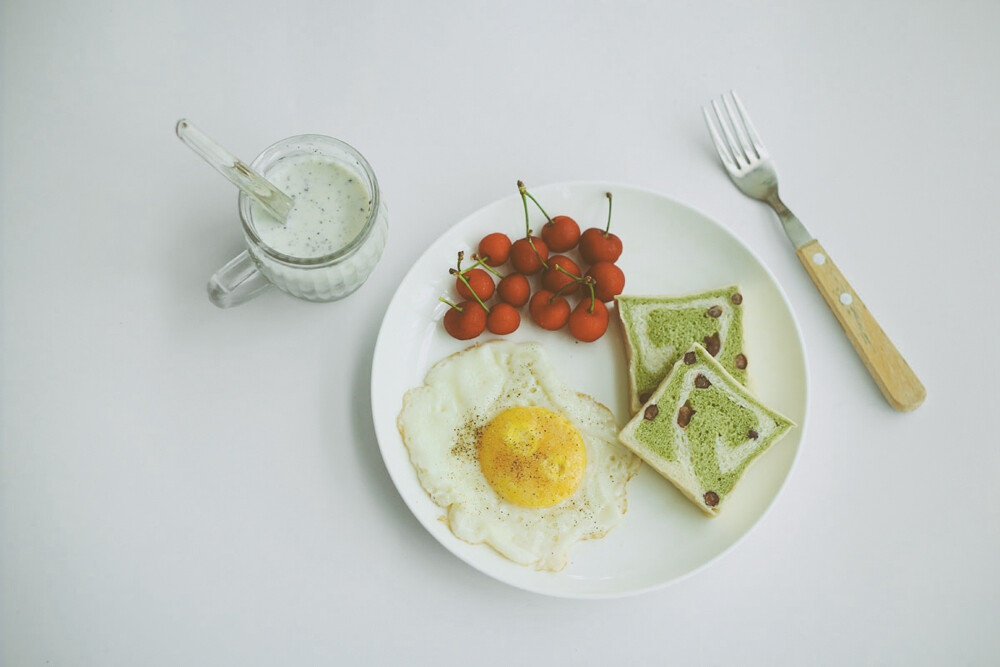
894 377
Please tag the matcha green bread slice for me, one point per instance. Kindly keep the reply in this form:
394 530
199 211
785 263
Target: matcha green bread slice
701 429
658 329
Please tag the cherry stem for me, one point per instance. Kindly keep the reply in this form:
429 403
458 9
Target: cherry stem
547 216
607 229
485 307
589 282
559 292
532 244
527 226
524 201
458 308
481 261
461 276
575 277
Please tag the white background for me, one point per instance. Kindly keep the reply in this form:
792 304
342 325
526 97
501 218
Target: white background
184 485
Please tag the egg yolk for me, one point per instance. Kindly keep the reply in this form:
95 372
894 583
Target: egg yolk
532 457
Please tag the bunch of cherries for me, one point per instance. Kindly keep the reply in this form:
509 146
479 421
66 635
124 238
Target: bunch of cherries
560 277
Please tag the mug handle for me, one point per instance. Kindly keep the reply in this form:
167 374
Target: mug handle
237 282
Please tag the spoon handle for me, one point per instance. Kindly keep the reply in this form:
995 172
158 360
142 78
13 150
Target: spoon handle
276 202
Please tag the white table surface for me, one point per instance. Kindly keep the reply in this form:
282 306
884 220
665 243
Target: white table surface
185 485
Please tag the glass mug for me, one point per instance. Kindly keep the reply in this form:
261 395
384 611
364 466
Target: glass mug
320 253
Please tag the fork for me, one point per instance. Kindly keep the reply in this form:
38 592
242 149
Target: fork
751 169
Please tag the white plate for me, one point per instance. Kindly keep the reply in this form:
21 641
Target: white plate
669 249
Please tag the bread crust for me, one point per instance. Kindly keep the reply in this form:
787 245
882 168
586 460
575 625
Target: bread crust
633 390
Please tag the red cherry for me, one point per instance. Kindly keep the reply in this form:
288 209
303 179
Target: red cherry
561 233
514 289
528 255
480 282
548 310
494 248
465 320
609 280
503 319
598 245
557 277
589 320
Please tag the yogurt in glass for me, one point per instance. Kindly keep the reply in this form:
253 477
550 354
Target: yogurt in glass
332 238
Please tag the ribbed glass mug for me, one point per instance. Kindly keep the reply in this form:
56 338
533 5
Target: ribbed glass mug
326 277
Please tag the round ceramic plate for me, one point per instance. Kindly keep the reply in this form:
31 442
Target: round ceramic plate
669 249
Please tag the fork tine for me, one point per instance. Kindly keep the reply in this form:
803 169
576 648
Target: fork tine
758 145
720 146
739 127
734 147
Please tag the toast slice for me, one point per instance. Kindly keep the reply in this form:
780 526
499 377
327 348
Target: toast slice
657 330
701 429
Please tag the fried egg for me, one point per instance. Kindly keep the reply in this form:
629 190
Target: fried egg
517 460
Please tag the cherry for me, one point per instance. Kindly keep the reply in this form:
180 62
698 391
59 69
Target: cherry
503 319
589 320
514 289
561 233
472 280
494 248
598 245
563 275
609 280
465 320
528 254
549 310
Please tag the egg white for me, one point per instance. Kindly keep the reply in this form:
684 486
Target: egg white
440 422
